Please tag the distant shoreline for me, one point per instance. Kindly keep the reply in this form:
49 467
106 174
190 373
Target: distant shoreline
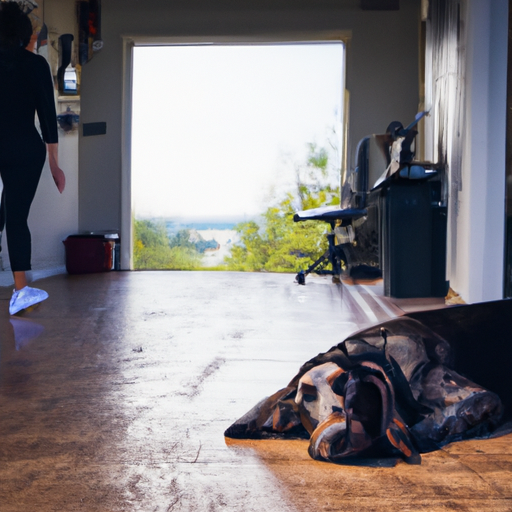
201 226
173 226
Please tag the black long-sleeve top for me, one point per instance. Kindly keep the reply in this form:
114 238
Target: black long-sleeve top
26 87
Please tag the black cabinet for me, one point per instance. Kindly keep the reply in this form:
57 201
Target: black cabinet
413 239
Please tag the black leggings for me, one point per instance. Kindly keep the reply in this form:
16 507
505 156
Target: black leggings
19 188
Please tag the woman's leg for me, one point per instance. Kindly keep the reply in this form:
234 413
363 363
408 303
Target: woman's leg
18 199
20 187
20 279
20 170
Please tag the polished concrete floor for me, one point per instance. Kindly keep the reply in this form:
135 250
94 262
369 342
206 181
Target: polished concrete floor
115 393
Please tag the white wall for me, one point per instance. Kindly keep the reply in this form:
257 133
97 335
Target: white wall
382 71
478 271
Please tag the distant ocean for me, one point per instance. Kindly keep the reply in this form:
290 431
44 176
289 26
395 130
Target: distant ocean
199 226
173 226
223 233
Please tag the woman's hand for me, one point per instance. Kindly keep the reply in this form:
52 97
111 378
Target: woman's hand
59 178
58 174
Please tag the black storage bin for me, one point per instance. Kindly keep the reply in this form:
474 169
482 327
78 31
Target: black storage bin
413 239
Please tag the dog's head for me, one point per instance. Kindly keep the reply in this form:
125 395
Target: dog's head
351 412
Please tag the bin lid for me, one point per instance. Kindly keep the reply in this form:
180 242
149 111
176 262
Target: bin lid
109 235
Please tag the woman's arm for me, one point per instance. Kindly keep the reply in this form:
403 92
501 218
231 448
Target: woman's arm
57 173
45 106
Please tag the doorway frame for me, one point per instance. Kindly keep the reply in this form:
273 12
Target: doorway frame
130 42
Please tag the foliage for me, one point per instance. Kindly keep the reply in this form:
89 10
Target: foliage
280 244
152 250
181 239
203 245
277 244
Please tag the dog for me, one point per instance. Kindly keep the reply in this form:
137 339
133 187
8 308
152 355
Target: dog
398 389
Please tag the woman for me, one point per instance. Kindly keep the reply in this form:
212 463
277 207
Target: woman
26 87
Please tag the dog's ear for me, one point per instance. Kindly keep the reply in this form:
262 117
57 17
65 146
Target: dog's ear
338 385
398 436
286 416
271 417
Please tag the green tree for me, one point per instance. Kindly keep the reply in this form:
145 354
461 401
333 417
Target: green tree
280 244
277 244
151 249
181 239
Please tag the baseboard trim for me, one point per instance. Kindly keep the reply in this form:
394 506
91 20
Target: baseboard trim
33 275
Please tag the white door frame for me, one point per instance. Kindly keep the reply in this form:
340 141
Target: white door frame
129 42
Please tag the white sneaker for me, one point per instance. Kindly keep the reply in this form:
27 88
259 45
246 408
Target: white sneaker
26 297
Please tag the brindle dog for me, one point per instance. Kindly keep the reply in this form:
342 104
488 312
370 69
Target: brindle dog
398 389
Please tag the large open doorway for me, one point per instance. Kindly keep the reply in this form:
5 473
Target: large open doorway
227 140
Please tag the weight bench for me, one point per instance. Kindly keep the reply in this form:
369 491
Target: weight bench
334 255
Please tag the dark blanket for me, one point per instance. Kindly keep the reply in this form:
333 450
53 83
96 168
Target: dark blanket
400 388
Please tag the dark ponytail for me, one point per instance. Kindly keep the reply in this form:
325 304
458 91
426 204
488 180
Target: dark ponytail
15 26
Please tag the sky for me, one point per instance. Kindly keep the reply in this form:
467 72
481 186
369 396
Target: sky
218 130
